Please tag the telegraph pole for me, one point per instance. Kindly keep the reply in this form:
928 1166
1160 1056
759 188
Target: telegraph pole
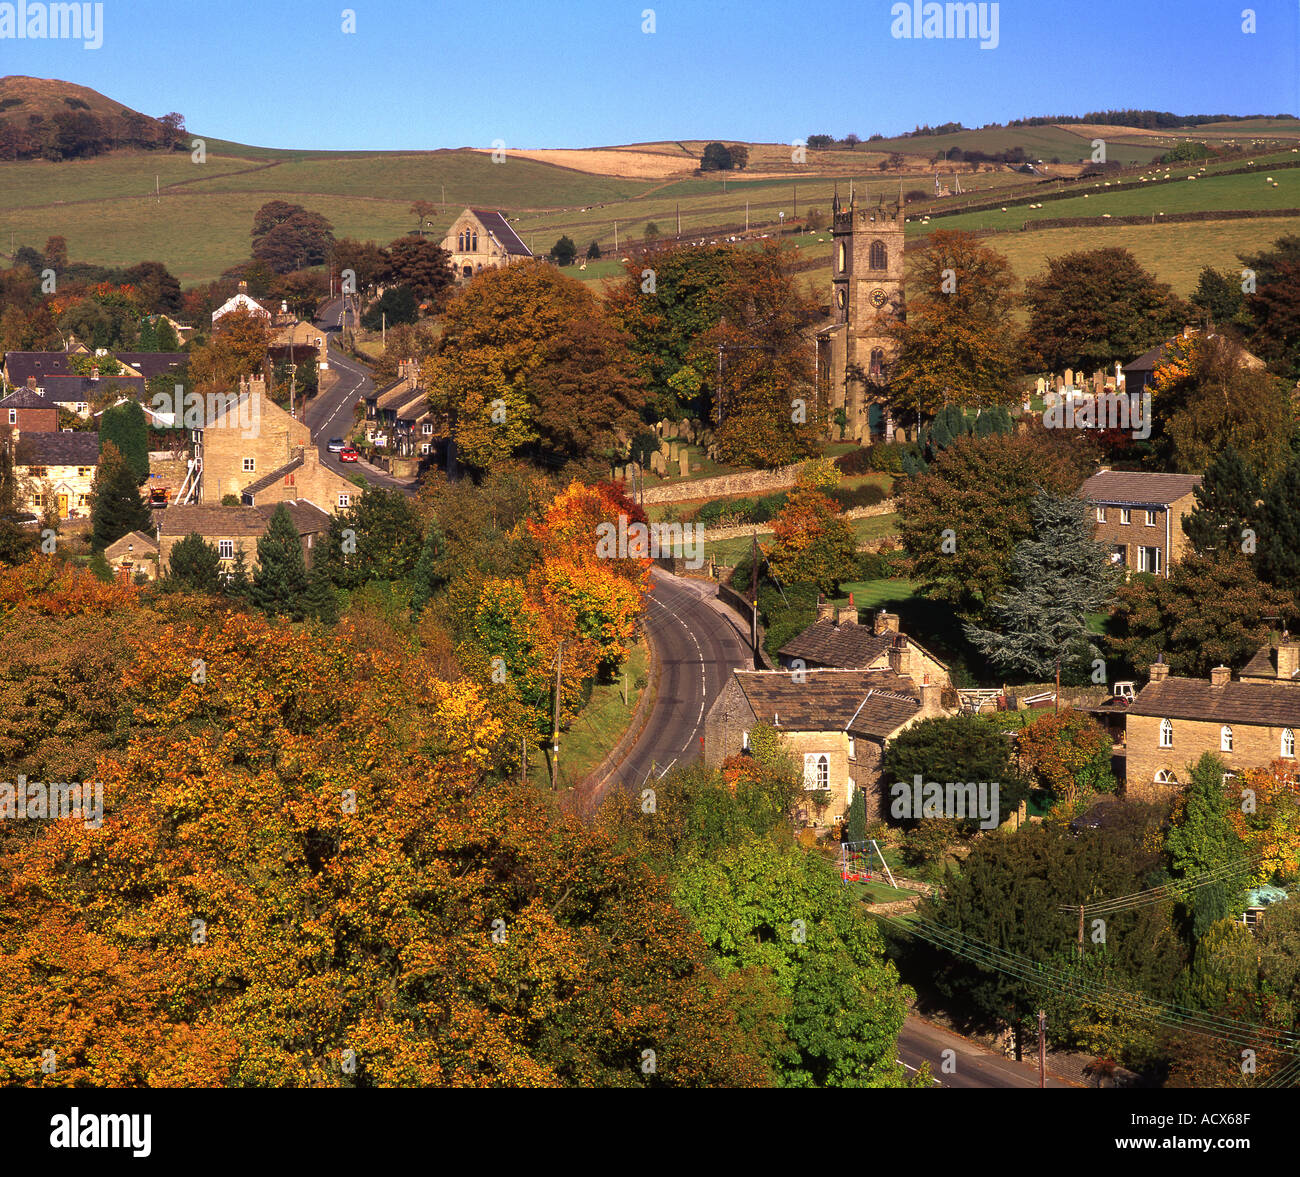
1042 1049
1080 931
555 729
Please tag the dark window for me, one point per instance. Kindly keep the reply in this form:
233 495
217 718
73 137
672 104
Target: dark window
879 259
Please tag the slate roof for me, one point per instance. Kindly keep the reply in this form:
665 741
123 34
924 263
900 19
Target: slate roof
25 398
496 224
70 389
1261 704
57 449
271 479
152 363
1264 664
21 364
849 646
180 520
868 703
141 542
248 522
307 517
1137 488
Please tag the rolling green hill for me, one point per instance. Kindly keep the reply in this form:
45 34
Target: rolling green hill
131 205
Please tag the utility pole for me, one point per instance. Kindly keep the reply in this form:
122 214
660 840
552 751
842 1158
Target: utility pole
753 593
383 328
555 729
679 220
1042 1049
796 202
616 237
1080 931
444 200
746 215
1058 686
523 763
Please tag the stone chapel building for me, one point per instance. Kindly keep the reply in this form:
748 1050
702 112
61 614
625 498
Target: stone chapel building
480 239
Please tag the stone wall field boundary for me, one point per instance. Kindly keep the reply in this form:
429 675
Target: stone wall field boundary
721 485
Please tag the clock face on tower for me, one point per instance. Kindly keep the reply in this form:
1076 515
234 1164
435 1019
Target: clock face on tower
878 298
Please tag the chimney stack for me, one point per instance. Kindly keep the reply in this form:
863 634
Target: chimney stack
1288 658
1220 676
825 609
886 623
931 699
1159 669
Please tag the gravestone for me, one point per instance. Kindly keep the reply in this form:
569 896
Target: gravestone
1069 377
657 464
1060 384
1041 387
686 462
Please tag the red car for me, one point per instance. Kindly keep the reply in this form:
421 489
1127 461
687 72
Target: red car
349 455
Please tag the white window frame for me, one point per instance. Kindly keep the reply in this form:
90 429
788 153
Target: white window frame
1225 738
744 741
13 416
345 500
1166 733
1166 776
1151 518
1125 515
853 748
1288 744
1101 514
427 428
226 549
816 771
250 465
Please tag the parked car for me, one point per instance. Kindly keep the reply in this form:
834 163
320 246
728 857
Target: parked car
336 445
350 454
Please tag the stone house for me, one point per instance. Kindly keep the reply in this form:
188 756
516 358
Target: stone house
1139 374
1138 516
254 449
134 553
1249 721
836 641
228 529
836 722
480 239
56 470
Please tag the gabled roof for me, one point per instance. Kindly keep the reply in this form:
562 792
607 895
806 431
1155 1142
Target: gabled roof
1138 488
57 449
1264 665
71 389
1261 704
152 363
181 520
496 224
307 517
134 541
271 479
848 646
868 703
22 364
26 398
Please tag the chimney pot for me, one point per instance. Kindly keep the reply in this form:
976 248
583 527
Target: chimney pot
1220 676
1159 670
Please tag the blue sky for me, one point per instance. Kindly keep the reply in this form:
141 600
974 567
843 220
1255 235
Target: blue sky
576 73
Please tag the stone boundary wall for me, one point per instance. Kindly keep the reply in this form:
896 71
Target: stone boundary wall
887 507
740 605
721 485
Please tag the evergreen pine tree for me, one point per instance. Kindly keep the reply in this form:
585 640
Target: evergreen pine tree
858 817
1226 506
1201 840
100 566
195 564
1057 578
320 603
427 577
237 585
1278 555
166 336
125 426
117 506
280 582
148 340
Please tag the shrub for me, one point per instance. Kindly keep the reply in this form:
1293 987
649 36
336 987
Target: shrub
867 495
856 461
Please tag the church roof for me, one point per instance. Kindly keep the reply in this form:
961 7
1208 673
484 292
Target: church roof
496 224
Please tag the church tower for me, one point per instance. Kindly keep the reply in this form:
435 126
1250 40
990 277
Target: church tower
867 296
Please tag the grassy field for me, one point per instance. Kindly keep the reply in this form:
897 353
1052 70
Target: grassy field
199 223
